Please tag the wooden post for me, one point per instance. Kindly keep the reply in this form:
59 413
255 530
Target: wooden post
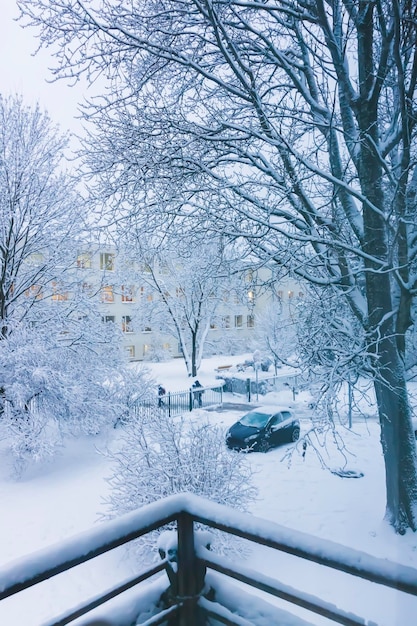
187 579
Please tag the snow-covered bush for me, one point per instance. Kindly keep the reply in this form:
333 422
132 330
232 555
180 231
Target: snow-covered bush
50 390
158 456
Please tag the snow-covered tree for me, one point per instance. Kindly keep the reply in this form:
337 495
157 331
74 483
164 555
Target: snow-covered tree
182 282
159 456
297 120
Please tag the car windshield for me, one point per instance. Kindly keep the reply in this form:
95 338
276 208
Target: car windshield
255 419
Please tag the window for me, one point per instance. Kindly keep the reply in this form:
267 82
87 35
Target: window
251 296
87 288
280 294
127 294
213 326
179 292
290 294
163 269
130 351
37 258
57 294
250 321
34 291
238 321
300 294
84 261
107 294
147 329
226 321
109 319
107 261
146 268
146 349
249 276
127 326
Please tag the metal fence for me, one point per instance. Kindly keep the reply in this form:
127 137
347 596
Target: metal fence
179 402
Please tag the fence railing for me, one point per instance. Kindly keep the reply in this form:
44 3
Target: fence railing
179 402
188 604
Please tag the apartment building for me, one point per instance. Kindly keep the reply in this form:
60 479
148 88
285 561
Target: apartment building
123 291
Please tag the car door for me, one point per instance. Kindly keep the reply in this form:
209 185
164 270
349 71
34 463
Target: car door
275 434
286 422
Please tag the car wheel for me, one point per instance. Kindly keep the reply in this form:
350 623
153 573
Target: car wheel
295 435
263 446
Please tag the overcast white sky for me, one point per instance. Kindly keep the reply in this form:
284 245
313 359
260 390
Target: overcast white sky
22 73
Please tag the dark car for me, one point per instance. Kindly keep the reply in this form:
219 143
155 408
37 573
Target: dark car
263 428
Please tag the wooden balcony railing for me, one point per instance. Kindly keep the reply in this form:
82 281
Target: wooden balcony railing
186 579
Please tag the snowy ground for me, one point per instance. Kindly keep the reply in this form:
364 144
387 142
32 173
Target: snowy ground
65 497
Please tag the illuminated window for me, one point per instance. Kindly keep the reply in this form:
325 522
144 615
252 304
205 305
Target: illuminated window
57 294
130 351
107 261
250 321
146 349
34 291
127 294
84 261
107 294
290 294
251 296
127 326
238 321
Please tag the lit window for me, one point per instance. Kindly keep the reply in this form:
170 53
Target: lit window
127 326
146 349
107 294
107 261
84 261
290 294
127 294
130 351
34 291
251 296
57 294
251 321
238 321
166 346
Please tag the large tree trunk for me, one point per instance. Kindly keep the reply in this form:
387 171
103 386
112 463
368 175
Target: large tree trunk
397 439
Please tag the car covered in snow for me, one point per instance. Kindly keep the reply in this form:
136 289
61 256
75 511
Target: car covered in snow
263 428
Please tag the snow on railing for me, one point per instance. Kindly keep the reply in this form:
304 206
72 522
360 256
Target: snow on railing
186 560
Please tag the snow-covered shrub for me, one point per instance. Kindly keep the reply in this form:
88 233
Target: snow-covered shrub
50 390
158 456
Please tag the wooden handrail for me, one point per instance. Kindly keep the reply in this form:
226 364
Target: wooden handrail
187 509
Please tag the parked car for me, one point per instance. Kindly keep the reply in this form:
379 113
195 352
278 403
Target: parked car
263 428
